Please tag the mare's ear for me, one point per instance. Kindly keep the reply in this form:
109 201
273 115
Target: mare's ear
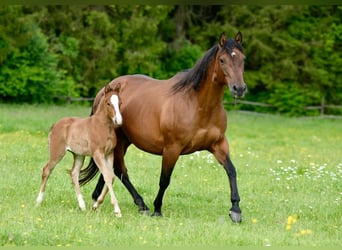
238 37
222 39
118 87
107 89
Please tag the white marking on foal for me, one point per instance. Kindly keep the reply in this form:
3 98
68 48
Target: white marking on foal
40 198
233 54
81 202
115 101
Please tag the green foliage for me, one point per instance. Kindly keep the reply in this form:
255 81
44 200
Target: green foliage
292 100
74 50
141 30
29 71
183 58
293 55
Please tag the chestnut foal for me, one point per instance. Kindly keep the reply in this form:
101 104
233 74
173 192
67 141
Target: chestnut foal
92 136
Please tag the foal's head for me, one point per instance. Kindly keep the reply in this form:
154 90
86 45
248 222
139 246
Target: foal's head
112 103
231 60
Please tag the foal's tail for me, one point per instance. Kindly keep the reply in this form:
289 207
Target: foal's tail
88 173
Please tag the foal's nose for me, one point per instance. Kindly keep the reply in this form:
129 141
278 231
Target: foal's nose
118 119
239 90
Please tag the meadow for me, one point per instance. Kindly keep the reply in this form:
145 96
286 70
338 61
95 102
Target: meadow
289 178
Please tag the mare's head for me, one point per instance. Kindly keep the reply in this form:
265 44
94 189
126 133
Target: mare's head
231 60
112 104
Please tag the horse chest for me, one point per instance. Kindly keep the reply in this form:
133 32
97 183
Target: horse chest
202 139
106 140
110 144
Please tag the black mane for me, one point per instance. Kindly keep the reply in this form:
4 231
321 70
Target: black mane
196 75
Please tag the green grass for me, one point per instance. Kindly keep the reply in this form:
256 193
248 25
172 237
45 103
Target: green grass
286 167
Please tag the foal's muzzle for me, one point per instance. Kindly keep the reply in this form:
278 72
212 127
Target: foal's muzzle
117 120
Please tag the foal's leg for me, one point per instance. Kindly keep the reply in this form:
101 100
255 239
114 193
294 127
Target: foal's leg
75 173
106 168
101 197
221 152
120 171
57 152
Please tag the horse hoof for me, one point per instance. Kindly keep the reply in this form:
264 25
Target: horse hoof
144 212
235 217
118 215
157 214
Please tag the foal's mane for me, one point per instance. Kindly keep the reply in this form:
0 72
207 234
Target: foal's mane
196 75
107 89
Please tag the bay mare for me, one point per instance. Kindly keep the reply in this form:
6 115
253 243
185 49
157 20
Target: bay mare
178 116
93 136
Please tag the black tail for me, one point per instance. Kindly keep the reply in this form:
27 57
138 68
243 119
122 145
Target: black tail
88 173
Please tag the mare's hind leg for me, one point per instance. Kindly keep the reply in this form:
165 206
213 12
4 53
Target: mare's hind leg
221 152
105 166
170 157
120 171
75 173
56 154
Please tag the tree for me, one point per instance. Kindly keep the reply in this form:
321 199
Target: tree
28 71
294 54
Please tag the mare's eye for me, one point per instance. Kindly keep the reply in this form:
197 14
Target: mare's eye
221 60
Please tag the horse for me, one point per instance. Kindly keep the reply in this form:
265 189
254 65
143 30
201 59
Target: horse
92 136
178 116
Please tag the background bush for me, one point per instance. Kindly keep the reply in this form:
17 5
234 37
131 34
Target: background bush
294 54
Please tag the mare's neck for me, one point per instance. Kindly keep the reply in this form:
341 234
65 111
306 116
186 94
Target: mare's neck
211 92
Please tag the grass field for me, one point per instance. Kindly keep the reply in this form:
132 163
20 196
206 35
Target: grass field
289 179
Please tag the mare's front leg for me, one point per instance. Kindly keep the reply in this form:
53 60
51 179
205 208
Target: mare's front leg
221 152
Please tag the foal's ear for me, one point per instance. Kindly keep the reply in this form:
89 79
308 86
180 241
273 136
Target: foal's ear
118 87
222 39
107 89
238 37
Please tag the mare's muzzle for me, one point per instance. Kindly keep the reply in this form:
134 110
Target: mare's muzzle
238 90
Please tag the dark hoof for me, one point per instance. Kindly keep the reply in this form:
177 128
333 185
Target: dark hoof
144 212
157 214
235 217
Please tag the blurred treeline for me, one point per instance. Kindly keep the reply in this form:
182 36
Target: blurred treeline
294 53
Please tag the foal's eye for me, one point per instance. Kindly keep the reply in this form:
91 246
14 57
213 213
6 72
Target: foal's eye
221 60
